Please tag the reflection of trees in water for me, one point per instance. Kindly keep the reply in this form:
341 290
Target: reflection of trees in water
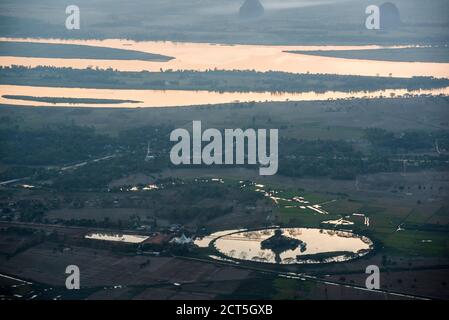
265 255
344 234
294 232
266 232
366 240
289 260
259 259
252 235
341 234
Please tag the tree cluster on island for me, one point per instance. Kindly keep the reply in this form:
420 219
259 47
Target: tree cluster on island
279 242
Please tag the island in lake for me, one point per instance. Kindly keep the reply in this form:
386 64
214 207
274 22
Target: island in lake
279 243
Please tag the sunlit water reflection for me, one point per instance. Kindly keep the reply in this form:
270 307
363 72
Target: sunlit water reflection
207 56
322 246
173 98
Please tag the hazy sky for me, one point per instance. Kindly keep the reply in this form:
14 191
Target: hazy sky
229 7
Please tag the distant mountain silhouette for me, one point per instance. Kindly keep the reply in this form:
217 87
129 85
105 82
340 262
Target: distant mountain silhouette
389 16
251 9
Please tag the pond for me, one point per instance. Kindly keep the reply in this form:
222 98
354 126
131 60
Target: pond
126 238
304 246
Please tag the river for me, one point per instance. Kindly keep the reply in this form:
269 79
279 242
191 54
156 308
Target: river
173 98
207 56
